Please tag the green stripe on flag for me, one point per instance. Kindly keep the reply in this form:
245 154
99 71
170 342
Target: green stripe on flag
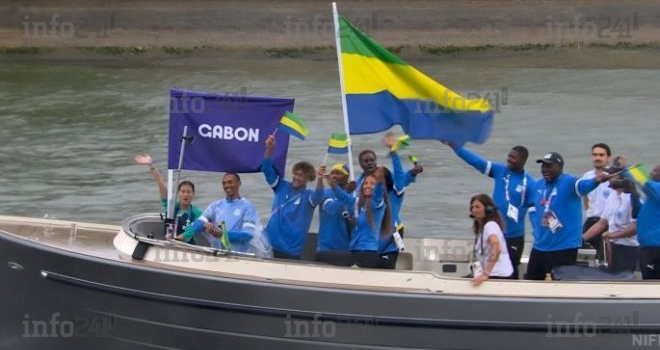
355 41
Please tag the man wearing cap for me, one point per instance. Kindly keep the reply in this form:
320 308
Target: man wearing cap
557 201
648 228
511 194
336 207
594 202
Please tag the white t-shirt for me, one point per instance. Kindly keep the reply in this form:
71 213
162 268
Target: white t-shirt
597 197
618 213
503 267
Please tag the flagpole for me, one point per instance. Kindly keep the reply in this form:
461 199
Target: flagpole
343 94
325 159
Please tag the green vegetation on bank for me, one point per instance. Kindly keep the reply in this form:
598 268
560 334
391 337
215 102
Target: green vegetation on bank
300 52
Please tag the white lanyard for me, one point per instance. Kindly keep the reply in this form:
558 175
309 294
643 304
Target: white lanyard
524 189
548 201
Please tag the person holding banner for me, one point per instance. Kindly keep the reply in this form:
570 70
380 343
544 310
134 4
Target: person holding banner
336 221
184 211
401 179
648 227
293 206
237 215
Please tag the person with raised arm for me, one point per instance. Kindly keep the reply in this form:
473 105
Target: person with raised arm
648 223
400 179
292 208
336 208
184 211
558 212
511 194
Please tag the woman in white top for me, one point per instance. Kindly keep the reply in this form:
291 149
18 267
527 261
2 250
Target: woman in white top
491 254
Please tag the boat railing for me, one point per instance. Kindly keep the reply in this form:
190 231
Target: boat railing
131 226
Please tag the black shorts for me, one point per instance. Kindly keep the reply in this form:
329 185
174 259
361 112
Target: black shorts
649 262
542 263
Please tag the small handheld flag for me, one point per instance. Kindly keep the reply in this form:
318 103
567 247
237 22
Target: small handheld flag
401 143
338 143
292 124
225 237
637 173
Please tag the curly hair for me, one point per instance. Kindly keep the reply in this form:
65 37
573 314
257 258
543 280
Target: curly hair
306 168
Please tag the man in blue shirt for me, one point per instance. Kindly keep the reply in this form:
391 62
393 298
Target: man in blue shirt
293 206
336 208
558 204
648 228
239 216
512 192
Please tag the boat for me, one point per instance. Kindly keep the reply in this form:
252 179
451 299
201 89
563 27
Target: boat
77 285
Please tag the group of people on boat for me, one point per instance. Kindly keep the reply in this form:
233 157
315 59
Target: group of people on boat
359 221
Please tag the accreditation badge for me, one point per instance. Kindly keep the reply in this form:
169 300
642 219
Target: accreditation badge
512 213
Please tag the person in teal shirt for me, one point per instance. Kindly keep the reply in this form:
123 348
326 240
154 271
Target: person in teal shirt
184 211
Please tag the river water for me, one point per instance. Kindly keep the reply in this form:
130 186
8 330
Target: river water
69 128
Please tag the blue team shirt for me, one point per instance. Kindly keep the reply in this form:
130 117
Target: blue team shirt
334 232
648 219
564 198
516 188
401 179
240 217
365 237
291 214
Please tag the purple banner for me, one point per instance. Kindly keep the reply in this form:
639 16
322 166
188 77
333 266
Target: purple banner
228 131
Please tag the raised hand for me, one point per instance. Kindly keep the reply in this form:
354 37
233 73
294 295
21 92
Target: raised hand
143 158
270 141
389 140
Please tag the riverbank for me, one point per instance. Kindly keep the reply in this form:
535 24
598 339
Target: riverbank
300 28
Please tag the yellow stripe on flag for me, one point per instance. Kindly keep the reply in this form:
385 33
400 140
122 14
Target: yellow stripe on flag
295 126
369 75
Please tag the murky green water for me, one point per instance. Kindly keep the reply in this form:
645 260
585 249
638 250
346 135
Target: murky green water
69 129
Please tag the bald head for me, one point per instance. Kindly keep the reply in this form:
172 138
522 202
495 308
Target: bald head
655 173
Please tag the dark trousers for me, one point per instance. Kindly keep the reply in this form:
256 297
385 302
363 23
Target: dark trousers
649 262
515 246
335 257
541 263
366 259
388 261
280 255
624 258
340 258
597 240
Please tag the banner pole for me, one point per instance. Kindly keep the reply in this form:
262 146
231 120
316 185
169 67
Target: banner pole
172 201
343 93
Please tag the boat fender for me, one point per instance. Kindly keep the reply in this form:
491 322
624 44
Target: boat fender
141 249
